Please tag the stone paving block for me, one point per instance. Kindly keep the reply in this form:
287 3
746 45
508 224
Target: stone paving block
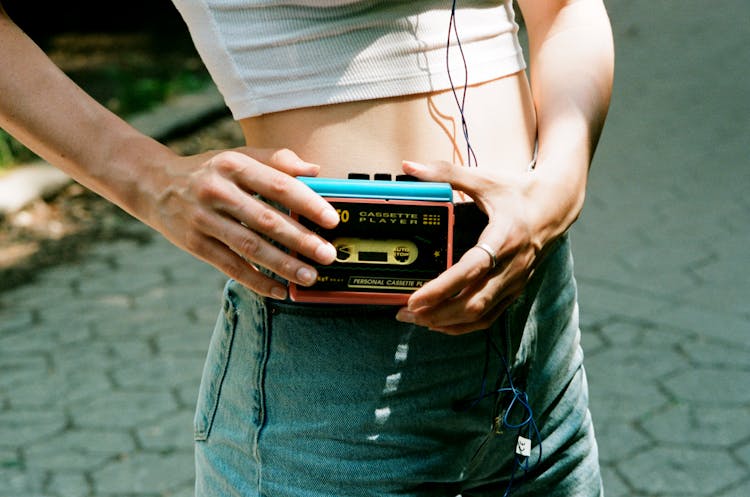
741 490
664 284
727 269
122 409
622 366
92 355
171 432
727 387
715 426
79 450
13 320
145 473
613 484
127 323
9 458
721 298
609 404
619 440
186 491
706 353
164 259
69 484
744 451
60 390
689 225
33 340
18 483
187 341
160 373
116 249
63 276
119 282
19 427
36 295
591 318
19 369
704 322
74 336
126 351
643 334
106 441
51 458
178 298
591 343
91 267
84 314
616 301
187 396
681 471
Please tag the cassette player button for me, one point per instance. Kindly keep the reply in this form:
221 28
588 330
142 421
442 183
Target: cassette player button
358 176
406 177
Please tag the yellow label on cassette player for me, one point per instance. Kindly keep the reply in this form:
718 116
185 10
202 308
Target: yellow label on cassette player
358 250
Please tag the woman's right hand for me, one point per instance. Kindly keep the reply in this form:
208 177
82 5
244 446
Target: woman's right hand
207 205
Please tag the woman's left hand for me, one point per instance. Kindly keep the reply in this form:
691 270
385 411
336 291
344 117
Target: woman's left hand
476 290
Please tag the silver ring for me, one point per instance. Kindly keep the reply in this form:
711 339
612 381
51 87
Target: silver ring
489 251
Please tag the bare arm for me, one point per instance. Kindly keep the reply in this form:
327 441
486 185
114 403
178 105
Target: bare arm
571 70
204 204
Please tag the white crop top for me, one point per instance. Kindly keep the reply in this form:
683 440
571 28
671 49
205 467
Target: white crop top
272 55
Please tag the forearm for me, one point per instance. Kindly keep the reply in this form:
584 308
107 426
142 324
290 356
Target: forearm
50 114
571 73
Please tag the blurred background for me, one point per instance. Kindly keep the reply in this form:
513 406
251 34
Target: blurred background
104 325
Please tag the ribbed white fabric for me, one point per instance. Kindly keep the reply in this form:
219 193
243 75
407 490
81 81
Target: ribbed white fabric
273 55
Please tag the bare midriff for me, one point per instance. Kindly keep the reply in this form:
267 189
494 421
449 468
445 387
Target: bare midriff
375 136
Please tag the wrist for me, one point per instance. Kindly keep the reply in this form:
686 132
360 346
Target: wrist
555 203
137 174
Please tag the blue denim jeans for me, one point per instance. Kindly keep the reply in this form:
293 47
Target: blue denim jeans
330 400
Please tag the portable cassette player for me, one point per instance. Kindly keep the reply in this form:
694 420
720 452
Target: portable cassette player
392 237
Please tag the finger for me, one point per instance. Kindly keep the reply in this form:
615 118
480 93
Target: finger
262 218
461 178
256 177
284 160
482 324
250 246
227 261
474 265
474 309
471 305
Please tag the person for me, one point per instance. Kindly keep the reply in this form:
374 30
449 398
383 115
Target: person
476 386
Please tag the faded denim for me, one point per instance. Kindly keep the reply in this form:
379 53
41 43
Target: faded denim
316 400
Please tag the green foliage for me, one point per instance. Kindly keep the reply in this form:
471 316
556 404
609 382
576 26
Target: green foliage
12 152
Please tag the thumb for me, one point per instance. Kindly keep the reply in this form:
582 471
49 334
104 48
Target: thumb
461 178
282 159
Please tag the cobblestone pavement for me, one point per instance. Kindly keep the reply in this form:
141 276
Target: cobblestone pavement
100 360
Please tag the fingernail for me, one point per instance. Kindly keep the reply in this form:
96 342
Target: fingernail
413 166
405 316
330 217
325 253
306 165
278 292
414 305
306 275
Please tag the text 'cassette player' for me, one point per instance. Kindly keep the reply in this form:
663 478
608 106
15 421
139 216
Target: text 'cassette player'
392 237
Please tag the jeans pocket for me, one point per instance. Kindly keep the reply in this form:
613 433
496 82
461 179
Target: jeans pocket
214 370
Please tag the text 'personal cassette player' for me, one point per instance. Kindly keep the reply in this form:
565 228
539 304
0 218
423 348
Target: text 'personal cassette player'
392 237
